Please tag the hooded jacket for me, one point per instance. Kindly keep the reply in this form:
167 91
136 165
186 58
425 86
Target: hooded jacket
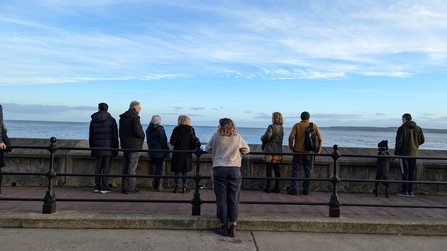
409 137
103 133
130 130
156 139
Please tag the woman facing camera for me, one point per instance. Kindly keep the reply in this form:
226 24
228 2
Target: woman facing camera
226 148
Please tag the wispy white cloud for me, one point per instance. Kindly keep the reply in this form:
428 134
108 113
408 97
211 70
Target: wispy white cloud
292 40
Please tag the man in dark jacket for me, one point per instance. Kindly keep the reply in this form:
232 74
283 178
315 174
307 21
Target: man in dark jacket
4 143
132 137
409 137
103 133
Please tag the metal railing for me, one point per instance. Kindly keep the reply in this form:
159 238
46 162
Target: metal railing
49 200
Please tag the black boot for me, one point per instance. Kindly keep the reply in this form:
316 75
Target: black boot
176 189
185 189
223 230
232 231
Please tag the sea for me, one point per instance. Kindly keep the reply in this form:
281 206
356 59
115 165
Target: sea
363 137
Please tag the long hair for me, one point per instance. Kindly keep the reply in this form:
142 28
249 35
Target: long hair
227 127
277 118
184 120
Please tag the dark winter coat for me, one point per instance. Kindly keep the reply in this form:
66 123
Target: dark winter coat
130 130
182 138
103 133
156 139
409 137
4 139
273 138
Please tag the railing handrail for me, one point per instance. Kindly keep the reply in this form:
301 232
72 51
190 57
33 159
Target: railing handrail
334 204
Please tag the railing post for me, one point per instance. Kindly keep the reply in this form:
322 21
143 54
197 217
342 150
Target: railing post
334 204
49 201
196 201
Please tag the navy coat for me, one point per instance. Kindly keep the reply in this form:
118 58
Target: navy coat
156 139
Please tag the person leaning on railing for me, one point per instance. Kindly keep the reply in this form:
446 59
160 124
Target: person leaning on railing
226 148
272 142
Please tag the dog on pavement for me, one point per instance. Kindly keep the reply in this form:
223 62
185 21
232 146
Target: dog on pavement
383 165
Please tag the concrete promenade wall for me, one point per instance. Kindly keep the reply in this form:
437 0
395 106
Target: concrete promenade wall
77 161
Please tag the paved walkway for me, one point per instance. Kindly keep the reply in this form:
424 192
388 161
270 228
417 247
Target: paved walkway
310 218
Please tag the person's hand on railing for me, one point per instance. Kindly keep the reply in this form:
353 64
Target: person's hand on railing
2 146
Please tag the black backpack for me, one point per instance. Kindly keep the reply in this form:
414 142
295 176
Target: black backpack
312 143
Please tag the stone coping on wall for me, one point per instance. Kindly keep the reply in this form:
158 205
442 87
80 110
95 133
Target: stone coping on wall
80 161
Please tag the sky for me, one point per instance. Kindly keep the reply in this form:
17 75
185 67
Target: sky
348 63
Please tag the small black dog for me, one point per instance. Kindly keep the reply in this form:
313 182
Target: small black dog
383 165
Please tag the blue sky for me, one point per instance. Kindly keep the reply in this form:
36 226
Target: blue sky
349 63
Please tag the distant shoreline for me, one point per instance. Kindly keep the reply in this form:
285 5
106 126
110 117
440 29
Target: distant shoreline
380 129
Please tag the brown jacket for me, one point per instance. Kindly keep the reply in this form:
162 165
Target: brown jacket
297 136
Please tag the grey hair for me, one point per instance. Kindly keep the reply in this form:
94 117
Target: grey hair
156 119
134 104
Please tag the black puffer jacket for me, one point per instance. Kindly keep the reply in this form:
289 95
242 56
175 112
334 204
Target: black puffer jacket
130 130
156 139
103 133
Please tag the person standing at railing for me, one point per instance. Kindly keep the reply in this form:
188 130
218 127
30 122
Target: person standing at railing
103 133
409 137
4 143
297 139
132 137
157 139
183 137
272 142
226 148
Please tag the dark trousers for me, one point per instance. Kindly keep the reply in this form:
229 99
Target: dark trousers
227 188
407 168
1 179
158 163
298 162
103 165
275 167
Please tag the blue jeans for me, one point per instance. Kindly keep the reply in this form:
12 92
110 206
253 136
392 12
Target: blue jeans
177 180
130 163
158 163
407 168
227 188
298 162
103 165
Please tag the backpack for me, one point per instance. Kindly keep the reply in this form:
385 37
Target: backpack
312 143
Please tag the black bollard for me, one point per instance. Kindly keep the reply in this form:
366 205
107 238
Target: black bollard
197 201
334 203
49 201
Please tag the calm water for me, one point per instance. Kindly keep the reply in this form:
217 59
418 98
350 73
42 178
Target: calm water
343 138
